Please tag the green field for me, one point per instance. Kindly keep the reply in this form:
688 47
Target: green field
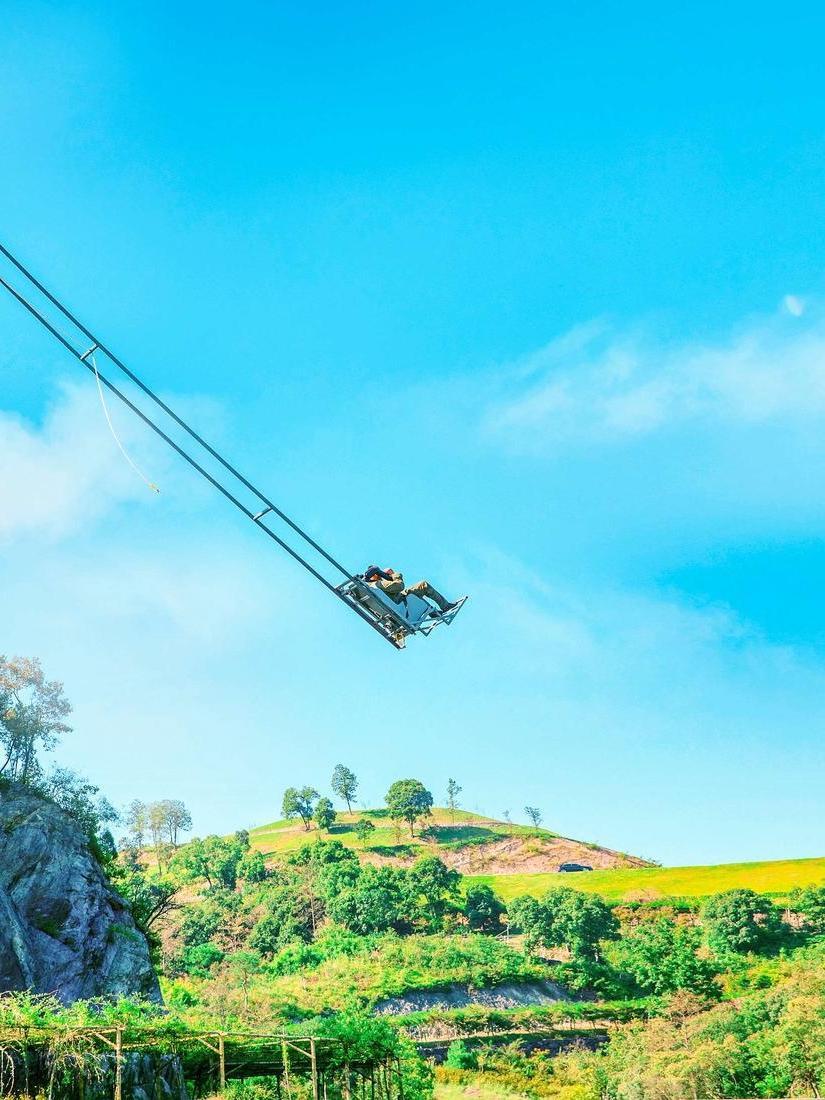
775 877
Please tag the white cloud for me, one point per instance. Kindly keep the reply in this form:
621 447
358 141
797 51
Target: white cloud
794 305
62 474
597 385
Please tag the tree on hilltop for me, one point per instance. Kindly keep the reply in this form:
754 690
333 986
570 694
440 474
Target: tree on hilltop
176 819
453 791
409 800
299 802
324 814
163 820
344 784
535 815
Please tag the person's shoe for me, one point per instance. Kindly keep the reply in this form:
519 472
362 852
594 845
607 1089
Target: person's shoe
450 607
434 614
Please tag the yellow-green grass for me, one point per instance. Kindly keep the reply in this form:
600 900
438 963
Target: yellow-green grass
774 877
446 1090
442 829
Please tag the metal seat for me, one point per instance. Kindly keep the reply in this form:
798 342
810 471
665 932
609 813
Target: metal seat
397 619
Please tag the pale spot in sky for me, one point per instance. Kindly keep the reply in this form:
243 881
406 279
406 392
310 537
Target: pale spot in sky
794 305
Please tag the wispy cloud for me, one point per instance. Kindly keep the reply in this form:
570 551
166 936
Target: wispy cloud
597 384
60 475
652 662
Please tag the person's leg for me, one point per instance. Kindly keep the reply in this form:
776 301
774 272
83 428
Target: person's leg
424 588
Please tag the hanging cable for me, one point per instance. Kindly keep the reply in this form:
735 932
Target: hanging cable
149 484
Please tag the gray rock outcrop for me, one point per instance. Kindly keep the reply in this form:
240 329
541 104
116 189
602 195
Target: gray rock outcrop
63 930
503 996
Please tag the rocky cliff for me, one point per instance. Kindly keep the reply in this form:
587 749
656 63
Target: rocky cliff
63 930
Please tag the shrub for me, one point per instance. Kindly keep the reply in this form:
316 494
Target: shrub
810 904
199 960
460 1056
483 909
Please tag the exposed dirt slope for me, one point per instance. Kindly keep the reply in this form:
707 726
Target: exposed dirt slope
533 855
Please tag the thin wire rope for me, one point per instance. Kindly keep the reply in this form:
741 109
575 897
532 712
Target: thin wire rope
192 462
149 484
170 412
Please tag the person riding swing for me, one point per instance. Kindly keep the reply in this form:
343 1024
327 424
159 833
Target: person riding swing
391 583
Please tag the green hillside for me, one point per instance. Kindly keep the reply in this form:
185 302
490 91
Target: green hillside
774 877
466 841
444 829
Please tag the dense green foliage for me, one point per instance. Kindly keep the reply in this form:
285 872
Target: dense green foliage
565 918
663 957
284 943
809 903
724 998
741 920
770 1044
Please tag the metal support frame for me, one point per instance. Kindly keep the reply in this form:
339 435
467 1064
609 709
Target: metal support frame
395 626
229 481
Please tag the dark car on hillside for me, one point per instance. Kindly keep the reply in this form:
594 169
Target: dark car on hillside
574 867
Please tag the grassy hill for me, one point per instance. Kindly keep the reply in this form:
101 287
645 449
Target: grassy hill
518 859
472 844
774 877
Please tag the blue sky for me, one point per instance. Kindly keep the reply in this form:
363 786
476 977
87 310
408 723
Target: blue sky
528 302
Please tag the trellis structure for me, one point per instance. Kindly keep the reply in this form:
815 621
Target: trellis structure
32 1058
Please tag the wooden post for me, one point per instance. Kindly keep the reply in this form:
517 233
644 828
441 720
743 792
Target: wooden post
285 1059
119 1063
314 1061
26 1060
222 1061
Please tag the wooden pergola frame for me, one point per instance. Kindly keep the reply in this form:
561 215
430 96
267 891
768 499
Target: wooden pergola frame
266 1051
